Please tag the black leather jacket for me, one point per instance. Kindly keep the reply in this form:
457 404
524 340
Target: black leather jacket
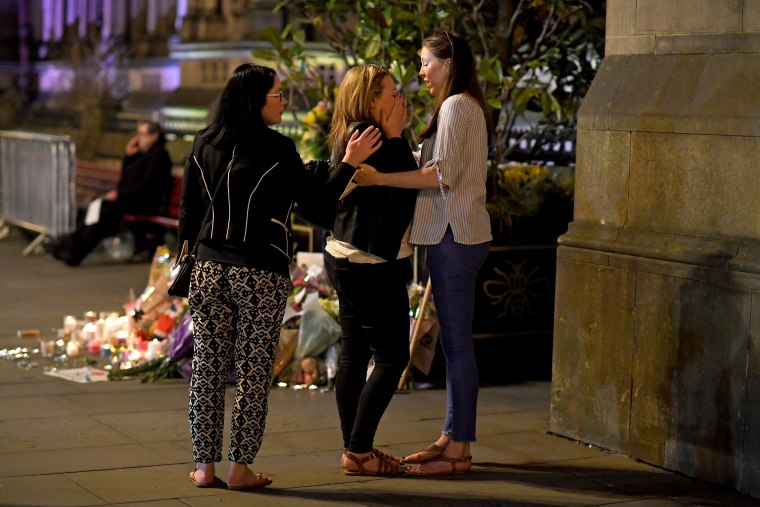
145 181
250 222
374 219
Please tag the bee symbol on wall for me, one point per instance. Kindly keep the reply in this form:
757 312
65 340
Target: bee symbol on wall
516 288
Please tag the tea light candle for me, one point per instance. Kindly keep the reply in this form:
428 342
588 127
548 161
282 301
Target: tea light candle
154 349
69 324
89 332
72 349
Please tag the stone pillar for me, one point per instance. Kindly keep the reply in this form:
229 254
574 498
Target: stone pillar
657 319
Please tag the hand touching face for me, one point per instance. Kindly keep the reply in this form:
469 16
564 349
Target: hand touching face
384 102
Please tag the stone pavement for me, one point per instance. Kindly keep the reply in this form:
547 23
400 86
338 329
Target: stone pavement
126 443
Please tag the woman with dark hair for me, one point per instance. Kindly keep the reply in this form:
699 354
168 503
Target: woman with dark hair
368 260
451 220
240 282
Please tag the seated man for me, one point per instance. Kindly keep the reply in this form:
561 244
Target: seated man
143 187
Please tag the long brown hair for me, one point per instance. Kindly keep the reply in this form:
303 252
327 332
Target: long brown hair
360 85
462 77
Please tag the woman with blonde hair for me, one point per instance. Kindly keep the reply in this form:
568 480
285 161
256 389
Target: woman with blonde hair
368 260
451 220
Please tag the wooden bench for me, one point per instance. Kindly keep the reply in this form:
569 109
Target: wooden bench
169 218
94 179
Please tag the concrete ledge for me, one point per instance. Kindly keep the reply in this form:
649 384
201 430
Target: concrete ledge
677 44
630 45
695 94
721 262
707 43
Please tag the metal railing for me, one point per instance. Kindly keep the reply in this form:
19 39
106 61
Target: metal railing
37 177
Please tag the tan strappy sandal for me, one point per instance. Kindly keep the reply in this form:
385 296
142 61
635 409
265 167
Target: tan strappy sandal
420 470
384 455
260 480
386 466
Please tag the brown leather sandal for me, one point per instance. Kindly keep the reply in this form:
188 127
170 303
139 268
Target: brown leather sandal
200 484
419 470
385 465
260 481
384 455
435 449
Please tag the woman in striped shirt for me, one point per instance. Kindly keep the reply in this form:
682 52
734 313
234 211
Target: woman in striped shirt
450 218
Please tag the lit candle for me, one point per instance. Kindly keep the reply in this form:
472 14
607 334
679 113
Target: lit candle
154 349
72 349
69 324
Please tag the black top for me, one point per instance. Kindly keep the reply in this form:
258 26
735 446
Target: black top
374 219
145 181
250 222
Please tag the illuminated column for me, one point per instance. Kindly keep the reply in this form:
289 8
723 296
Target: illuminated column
107 20
152 16
81 14
58 19
48 20
119 25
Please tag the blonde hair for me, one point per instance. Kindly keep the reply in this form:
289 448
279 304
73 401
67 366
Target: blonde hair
353 104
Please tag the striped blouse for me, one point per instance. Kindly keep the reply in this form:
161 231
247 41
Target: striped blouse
461 144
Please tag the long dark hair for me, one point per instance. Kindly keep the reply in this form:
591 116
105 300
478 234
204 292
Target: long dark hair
238 112
462 77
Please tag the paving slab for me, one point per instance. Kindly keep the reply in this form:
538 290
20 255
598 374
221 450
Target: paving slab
153 426
31 463
56 433
41 490
127 443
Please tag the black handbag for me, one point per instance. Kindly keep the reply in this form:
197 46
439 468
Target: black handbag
180 286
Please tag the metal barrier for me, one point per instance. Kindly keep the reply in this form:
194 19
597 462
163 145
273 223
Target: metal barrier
37 174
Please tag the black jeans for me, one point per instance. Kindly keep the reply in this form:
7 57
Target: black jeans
374 320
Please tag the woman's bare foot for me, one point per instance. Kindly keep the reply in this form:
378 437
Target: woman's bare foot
430 452
203 475
456 459
242 477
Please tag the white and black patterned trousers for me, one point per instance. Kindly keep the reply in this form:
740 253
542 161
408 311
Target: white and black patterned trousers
237 313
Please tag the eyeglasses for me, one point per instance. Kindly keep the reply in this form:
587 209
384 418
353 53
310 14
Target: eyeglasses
281 95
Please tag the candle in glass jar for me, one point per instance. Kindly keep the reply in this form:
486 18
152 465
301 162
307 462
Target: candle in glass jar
154 349
72 349
69 324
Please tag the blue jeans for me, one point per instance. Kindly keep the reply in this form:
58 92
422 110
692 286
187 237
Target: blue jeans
453 269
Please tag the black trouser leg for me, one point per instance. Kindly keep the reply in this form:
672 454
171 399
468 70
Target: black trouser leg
374 312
